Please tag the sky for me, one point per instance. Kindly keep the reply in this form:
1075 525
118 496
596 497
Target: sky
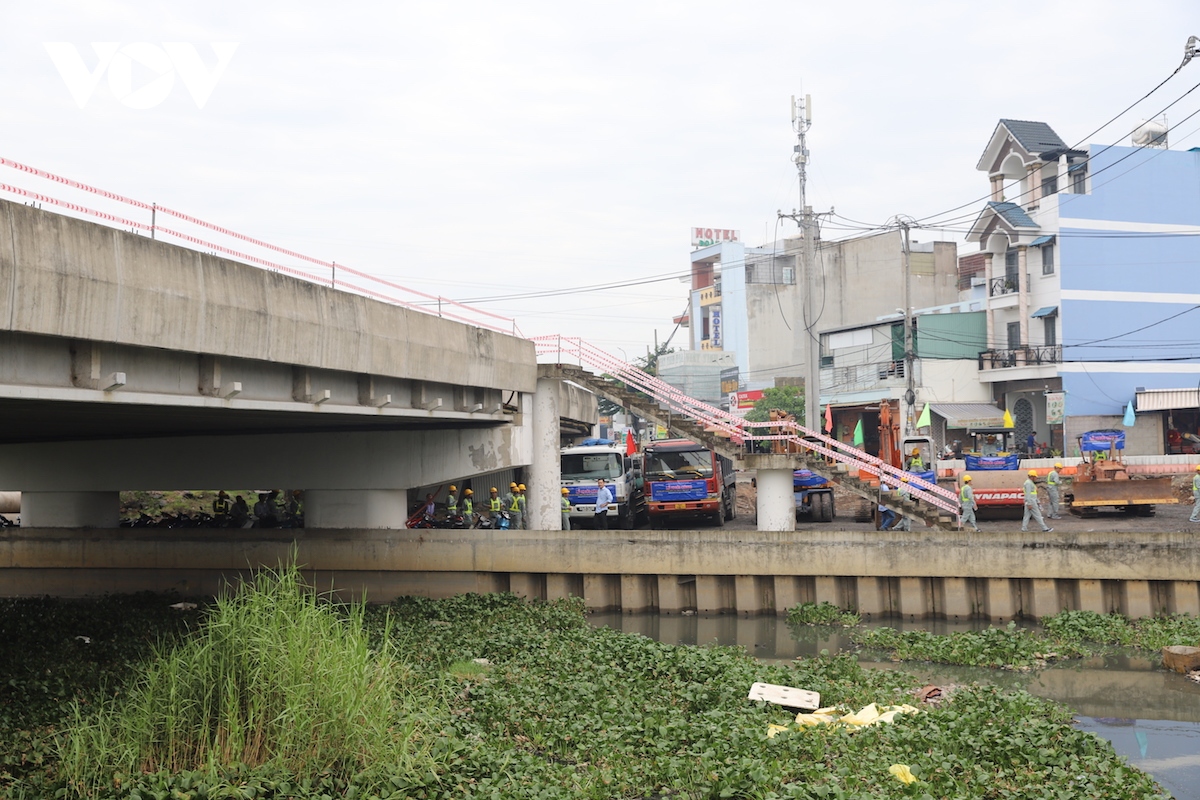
486 150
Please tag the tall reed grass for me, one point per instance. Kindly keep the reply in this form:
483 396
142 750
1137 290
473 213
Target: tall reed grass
275 677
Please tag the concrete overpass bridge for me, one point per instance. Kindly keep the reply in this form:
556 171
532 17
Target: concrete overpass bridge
128 363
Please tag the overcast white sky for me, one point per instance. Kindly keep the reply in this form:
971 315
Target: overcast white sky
477 148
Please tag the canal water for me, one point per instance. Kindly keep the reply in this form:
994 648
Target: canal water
1151 716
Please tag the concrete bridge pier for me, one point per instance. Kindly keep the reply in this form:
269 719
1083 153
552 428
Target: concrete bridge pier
70 509
776 503
355 508
543 508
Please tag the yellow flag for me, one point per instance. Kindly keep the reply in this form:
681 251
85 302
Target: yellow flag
1008 422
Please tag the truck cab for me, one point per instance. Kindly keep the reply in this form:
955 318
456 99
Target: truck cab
685 479
583 464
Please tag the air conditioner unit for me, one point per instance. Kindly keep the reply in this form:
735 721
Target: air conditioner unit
978 280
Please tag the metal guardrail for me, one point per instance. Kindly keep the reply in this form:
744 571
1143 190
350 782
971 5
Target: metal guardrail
737 430
1001 285
1027 356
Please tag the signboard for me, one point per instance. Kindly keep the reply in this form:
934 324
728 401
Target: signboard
1102 441
1054 408
703 237
678 491
729 380
715 327
745 400
660 432
976 463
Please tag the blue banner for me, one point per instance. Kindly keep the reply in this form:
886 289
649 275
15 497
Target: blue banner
1099 441
582 495
991 462
678 491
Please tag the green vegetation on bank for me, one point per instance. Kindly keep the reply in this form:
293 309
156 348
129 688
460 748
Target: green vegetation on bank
557 709
1067 635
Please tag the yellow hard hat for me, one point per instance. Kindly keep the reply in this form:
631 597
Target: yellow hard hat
1033 473
566 490
904 478
521 487
512 485
468 492
966 478
916 451
1198 467
453 488
1058 465
493 488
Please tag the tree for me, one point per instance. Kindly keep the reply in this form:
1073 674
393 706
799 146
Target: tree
785 398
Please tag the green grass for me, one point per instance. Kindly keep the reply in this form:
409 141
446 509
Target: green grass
561 711
274 679
824 613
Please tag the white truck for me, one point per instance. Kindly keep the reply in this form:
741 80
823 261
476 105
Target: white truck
584 464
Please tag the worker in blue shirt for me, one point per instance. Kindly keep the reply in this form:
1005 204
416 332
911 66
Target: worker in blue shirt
604 499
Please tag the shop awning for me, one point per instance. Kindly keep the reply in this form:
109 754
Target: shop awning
969 415
1041 240
1168 399
1045 311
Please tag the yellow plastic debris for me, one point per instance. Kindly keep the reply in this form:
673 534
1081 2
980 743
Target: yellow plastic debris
865 716
903 773
774 729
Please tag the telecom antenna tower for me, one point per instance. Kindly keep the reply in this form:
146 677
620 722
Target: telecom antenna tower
801 122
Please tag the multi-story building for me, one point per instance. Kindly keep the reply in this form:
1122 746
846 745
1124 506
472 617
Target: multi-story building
748 300
1089 261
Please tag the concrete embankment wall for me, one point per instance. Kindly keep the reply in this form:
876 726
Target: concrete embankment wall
942 575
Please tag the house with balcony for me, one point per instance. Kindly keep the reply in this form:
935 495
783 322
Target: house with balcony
1087 262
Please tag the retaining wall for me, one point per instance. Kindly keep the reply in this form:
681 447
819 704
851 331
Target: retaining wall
940 575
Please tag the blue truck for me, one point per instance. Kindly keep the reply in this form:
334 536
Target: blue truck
814 496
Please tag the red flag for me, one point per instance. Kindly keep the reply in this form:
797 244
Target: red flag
630 444
829 417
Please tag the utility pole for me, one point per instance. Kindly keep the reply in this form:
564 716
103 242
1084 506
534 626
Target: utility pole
801 122
910 393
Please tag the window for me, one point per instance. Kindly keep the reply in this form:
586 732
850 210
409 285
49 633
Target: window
1047 259
789 275
1050 337
1014 335
1079 178
1011 266
1049 186
749 273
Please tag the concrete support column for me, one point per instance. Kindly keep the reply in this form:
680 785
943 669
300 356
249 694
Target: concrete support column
358 508
70 509
776 503
543 508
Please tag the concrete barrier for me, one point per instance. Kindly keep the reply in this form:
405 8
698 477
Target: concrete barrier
913 575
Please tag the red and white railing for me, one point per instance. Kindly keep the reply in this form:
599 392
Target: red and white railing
563 349
327 272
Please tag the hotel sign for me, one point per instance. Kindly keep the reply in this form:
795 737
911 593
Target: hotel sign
703 237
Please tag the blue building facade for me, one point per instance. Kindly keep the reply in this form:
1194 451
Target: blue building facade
1091 264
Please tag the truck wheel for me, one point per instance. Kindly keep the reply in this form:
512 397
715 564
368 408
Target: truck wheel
731 504
719 514
627 520
824 509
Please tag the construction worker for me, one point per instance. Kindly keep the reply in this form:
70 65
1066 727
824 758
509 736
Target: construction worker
1195 517
966 497
221 508
1032 507
521 507
495 507
566 509
1052 483
468 508
513 506
915 463
905 524
452 501
887 517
